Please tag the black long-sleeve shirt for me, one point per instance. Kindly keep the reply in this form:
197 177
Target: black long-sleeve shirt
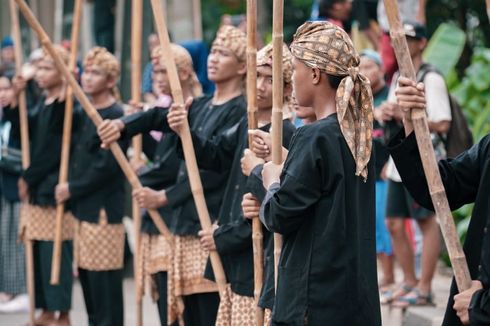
233 238
205 120
95 179
466 179
326 215
45 133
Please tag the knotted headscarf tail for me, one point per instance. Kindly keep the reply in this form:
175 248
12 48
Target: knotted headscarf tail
327 47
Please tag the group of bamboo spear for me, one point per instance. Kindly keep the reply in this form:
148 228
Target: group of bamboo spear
406 68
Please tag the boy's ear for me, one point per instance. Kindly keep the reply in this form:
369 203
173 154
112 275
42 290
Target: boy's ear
316 76
111 82
242 68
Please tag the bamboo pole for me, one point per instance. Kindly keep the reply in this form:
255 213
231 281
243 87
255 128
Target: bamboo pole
277 104
196 18
136 45
257 236
91 112
188 147
26 159
65 147
429 162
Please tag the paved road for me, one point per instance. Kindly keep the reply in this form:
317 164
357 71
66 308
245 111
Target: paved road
391 317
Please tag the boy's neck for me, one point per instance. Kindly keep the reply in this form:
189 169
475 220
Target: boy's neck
102 100
417 62
264 116
227 90
324 104
54 92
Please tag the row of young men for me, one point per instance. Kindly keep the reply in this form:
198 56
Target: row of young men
323 198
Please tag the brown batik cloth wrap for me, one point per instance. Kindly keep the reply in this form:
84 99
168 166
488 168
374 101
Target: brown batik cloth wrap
233 39
156 256
39 223
236 310
264 58
267 317
99 246
183 61
327 47
186 276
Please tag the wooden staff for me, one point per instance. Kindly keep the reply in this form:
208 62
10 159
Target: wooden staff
136 45
26 159
65 147
277 104
188 147
91 112
429 162
196 18
257 236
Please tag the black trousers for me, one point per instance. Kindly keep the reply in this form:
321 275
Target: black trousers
103 296
52 297
201 309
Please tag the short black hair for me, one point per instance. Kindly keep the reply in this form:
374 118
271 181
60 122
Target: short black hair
334 81
325 5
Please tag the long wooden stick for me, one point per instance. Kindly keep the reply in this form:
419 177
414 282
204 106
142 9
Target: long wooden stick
91 112
196 18
26 159
257 236
277 104
65 147
188 147
429 162
136 45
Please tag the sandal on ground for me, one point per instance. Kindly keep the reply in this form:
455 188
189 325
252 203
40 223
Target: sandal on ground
390 295
414 298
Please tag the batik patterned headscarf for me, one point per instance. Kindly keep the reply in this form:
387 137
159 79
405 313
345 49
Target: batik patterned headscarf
183 61
233 39
264 58
328 48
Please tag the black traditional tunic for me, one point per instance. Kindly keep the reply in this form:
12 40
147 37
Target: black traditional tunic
96 181
205 120
466 179
233 238
45 131
326 214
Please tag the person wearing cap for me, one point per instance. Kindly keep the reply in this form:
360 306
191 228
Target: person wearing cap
410 10
94 192
371 66
322 199
232 235
209 115
37 190
400 204
465 179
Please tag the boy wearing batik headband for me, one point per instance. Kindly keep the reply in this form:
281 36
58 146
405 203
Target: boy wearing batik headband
95 190
208 116
322 200
162 173
232 235
37 184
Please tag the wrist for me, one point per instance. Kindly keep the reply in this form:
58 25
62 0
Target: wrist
120 124
162 198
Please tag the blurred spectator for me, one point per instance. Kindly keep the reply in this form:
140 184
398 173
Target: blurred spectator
7 56
13 297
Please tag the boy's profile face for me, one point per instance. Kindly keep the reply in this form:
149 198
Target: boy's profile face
47 76
95 80
223 64
264 87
